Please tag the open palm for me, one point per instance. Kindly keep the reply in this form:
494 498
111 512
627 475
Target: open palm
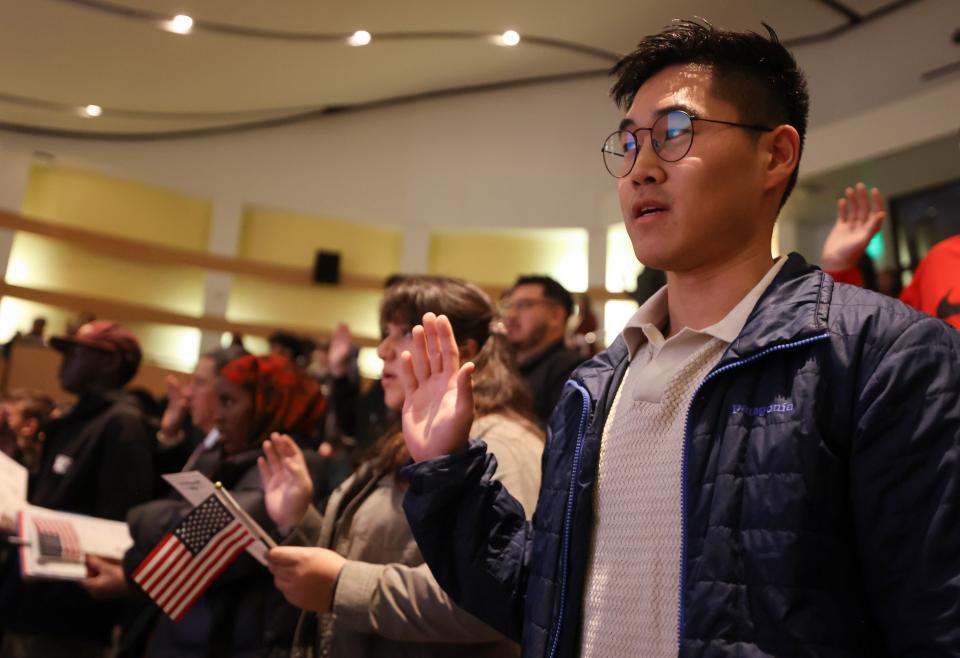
438 394
858 220
287 486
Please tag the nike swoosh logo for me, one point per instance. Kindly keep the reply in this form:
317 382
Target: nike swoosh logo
946 309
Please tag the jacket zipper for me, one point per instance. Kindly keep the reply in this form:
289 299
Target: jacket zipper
681 617
568 514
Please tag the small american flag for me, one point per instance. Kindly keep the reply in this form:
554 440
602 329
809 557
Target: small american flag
181 567
58 540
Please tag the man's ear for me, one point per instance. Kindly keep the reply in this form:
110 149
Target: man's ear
558 315
781 148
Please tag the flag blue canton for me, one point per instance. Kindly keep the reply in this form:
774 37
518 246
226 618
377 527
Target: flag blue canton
202 524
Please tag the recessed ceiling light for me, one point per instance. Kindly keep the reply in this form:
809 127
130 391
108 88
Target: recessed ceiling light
359 38
93 110
510 38
181 24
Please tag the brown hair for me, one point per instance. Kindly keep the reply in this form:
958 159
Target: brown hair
497 386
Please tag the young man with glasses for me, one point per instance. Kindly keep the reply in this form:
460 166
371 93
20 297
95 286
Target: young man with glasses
535 314
765 463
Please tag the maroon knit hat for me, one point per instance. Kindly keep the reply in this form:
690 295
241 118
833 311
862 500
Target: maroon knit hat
104 335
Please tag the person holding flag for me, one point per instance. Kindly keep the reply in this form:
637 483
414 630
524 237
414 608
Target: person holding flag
191 560
353 565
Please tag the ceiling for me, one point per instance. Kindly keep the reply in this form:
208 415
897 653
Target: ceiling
251 63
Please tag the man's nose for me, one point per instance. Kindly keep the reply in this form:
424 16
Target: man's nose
647 166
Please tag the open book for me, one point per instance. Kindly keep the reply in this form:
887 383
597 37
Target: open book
54 544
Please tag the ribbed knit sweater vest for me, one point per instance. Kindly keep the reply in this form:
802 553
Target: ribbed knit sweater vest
631 600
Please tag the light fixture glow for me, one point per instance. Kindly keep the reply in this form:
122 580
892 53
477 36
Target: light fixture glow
93 110
359 38
510 38
181 24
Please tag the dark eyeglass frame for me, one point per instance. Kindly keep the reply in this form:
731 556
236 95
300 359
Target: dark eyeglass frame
524 304
653 142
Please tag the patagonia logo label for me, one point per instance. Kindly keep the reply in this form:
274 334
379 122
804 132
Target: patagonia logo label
759 412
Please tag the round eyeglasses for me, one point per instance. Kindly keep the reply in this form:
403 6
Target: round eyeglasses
671 136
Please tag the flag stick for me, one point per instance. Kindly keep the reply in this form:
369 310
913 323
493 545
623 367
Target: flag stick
255 529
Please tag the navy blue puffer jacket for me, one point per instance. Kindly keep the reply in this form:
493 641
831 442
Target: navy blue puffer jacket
820 497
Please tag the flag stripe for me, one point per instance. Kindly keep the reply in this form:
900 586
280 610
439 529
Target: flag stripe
164 565
210 575
218 547
184 576
186 561
153 554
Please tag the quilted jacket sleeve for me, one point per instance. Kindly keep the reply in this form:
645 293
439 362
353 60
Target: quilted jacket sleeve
905 475
473 534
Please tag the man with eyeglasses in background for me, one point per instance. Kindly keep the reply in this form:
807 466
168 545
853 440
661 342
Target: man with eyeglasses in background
535 313
765 463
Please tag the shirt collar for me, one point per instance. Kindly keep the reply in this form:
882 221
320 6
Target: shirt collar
648 322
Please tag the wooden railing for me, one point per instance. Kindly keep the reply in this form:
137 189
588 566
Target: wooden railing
147 252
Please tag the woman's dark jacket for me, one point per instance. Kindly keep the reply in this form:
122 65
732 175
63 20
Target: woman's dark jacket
242 614
820 491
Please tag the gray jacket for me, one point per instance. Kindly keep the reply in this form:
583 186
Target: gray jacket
387 603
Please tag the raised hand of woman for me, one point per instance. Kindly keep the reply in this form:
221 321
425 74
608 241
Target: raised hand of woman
438 394
287 485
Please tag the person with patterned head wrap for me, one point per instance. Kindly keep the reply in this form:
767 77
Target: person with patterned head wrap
260 395
241 614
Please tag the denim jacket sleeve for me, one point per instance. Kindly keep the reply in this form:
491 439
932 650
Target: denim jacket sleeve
473 534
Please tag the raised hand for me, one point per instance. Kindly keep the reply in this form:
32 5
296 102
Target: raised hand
858 220
341 346
178 401
287 485
305 576
438 394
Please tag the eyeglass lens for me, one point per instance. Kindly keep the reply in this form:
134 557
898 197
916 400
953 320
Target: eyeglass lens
671 137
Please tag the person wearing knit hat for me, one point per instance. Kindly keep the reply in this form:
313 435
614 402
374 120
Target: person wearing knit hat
98 460
102 355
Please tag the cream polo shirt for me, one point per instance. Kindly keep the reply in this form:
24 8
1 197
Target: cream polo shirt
632 582
668 354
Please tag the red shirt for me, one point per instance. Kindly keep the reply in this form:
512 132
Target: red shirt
935 287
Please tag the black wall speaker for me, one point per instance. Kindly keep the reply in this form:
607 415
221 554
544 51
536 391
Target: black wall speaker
326 267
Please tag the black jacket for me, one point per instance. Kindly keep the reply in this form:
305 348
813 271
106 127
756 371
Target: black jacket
241 615
546 373
820 496
98 461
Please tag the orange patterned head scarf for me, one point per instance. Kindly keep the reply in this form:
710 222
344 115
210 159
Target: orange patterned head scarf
284 399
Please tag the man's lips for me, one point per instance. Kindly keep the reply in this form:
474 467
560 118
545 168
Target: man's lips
647 209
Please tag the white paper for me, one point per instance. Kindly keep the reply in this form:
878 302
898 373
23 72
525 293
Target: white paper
13 489
192 485
196 488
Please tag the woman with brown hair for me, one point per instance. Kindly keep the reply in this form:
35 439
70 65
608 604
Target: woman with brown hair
364 575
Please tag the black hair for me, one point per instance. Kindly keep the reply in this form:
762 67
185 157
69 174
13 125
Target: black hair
299 346
551 289
755 73
221 356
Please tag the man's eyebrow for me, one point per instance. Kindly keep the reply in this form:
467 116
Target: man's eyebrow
629 123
